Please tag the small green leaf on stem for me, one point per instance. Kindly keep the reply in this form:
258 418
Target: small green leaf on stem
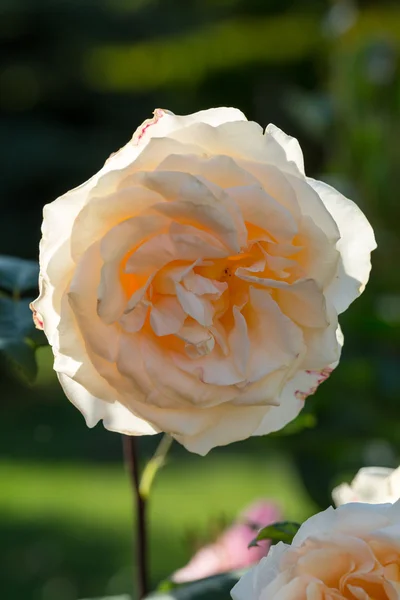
153 466
277 532
166 585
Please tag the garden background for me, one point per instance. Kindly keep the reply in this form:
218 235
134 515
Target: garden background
76 78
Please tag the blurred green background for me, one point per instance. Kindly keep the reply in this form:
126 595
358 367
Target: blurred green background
76 78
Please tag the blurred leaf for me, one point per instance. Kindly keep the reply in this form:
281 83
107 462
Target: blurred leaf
278 532
21 355
217 587
16 329
37 337
15 319
166 585
302 421
18 275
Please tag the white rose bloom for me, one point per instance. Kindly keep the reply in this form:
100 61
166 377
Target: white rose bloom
371 484
348 553
193 285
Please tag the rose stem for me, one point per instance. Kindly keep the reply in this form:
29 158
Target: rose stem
132 462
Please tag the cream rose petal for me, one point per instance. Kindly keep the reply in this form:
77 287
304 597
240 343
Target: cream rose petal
291 399
193 202
223 428
239 139
115 416
290 145
167 316
285 340
356 242
163 124
261 209
220 170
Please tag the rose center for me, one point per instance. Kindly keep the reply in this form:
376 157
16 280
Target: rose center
189 301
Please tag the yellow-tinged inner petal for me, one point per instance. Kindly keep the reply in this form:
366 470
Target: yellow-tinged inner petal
198 305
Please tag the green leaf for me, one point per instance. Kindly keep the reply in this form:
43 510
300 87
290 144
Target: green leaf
217 587
37 337
21 357
277 532
15 319
166 585
16 330
18 275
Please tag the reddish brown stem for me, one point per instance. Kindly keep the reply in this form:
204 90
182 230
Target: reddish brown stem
132 462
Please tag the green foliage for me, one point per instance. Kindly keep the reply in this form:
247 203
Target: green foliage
18 335
277 532
18 275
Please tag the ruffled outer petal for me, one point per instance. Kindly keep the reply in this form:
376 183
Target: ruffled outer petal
356 243
290 145
291 400
115 416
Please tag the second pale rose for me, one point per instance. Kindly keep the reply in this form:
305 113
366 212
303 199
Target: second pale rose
372 485
193 285
351 553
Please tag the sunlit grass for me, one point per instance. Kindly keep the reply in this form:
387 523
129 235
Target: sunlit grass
90 502
185 492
